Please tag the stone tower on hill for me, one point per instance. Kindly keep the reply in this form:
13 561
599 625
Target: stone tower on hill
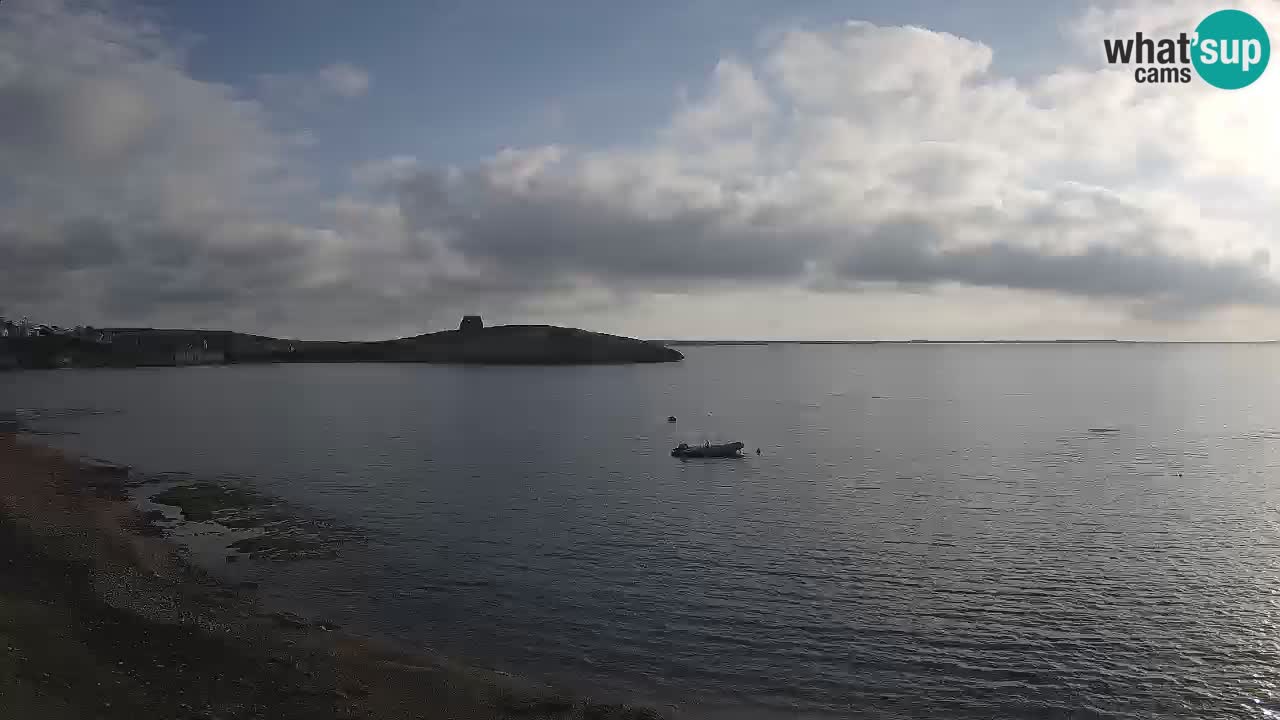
470 322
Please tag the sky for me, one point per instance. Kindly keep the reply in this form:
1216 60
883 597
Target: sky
702 169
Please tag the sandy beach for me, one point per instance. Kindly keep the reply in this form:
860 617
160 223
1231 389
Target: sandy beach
101 617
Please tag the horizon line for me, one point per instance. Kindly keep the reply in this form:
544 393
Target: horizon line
921 341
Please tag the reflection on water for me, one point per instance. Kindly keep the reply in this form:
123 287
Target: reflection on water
955 531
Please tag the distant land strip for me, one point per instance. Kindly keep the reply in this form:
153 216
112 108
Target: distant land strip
1066 341
498 345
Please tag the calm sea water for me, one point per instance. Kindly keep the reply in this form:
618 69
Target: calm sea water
930 531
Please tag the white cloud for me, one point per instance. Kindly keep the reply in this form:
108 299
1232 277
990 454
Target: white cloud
345 80
736 101
304 91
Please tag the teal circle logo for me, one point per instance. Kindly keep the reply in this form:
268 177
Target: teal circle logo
1231 49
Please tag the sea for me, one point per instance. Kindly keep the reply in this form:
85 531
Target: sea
929 530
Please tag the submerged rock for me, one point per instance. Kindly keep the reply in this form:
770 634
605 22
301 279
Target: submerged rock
201 502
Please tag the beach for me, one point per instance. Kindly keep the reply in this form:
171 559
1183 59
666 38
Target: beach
100 616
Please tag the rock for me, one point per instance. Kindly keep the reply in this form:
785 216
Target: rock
541 705
149 530
105 467
288 619
597 711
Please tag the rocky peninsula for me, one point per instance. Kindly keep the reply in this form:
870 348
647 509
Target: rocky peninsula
500 345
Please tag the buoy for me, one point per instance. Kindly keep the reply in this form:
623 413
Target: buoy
757 451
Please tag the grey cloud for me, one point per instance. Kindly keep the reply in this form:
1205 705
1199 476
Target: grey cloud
912 252
559 228
134 292
30 118
170 247
88 243
1072 241
74 245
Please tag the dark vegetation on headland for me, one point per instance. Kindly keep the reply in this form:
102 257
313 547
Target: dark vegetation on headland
503 344
499 345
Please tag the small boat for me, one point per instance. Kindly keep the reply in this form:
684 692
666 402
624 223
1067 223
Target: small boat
707 450
671 418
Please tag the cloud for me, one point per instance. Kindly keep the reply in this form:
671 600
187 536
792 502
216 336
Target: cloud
344 80
387 172
863 155
856 166
911 252
550 117
115 125
304 91
119 167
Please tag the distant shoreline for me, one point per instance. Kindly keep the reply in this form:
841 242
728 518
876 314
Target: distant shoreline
708 343
529 345
498 345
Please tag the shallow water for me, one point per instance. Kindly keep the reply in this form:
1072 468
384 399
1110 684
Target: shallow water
930 530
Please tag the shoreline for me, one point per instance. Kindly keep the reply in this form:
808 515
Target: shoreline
101 616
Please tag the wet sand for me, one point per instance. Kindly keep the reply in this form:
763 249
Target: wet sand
100 617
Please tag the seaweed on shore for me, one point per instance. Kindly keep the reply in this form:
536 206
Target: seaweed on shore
268 547
203 502
287 534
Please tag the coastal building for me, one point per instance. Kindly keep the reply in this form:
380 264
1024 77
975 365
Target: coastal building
93 335
470 322
42 330
197 353
24 328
